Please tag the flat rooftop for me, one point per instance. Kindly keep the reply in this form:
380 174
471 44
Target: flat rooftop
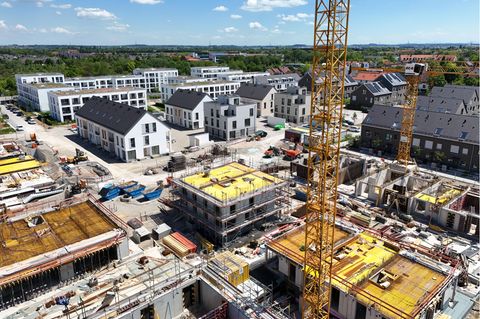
393 284
41 233
230 181
97 91
48 85
206 83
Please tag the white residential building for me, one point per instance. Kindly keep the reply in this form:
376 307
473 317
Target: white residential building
186 108
154 77
39 78
212 72
245 77
128 132
64 104
281 81
90 82
293 105
229 118
262 95
212 88
34 96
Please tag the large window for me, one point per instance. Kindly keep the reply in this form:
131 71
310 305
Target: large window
146 140
132 142
454 149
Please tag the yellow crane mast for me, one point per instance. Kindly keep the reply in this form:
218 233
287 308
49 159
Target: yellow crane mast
329 63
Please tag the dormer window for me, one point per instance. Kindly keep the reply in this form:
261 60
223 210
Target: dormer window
463 136
438 131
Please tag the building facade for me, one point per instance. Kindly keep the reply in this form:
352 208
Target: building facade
245 77
396 84
34 96
368 94
448 140
293 105
186 108
212 72
280 82
212 88
64 104
127 132
229 118
154 77
262 95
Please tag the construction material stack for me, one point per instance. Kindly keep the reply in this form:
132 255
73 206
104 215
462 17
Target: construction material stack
231 267
176 163
180 245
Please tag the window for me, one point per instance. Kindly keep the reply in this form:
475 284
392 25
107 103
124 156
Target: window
196 116
154 127
146 140
283 101
247 122
388 137
438 131
465 151
211 112
251 112
132 142
463 136
416 142
428 145
65 101
234 124
76 100
454 149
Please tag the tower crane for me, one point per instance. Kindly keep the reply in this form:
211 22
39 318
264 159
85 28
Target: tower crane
329 61
413 72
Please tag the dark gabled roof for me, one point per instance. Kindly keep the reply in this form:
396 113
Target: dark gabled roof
254 91
466 93
452 126
115 116
186 99
440 104
376 88
394 79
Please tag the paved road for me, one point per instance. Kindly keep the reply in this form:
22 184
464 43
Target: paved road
15 120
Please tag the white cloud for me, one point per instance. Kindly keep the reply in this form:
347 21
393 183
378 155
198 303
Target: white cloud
58 13
119 27
39 4
61 6
60 30
3 25
20 27
6 4
230 29
295 17
257 26
269 5
220 9
146 1
235 16
43 30
95 13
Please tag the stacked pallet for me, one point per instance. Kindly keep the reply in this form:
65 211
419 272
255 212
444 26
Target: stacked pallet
180 245
231 267
176 163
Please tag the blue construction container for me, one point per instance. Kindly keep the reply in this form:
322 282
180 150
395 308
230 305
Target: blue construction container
109 192
153 194
135 190
127 185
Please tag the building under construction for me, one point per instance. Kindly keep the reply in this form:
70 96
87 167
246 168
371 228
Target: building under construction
371 277
228 201
42 248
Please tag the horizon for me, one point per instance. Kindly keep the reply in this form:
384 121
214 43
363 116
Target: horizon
229 23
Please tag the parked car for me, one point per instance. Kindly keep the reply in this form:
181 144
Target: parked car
31 121
19 128
349 122
353 129
260 133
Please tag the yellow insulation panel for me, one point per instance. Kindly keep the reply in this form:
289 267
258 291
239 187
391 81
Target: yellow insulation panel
231 267
19 166
231 181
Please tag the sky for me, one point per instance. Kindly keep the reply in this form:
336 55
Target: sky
238 22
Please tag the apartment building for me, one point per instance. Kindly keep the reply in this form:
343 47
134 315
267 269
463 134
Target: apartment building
262 95
127 132
226 202
280 81
212 72
186 108
39 78
293 105
229 118
90 82
64 104
212 88
349 85
470 95
245 77
369 94
446 139
395 83
34 96
154 77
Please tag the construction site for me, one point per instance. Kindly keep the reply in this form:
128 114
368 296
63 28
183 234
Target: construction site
293 225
